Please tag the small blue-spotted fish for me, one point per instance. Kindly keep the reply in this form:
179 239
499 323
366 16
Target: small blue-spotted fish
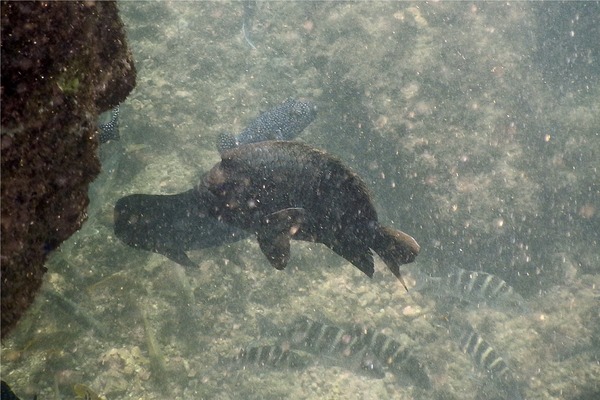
110 130
283 122
486 358
471 286
273 356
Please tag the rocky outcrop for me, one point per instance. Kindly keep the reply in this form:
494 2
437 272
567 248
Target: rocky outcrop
63 63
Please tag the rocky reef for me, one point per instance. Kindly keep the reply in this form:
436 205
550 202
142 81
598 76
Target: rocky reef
63 63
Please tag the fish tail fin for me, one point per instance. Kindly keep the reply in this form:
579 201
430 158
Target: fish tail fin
395 248
226 141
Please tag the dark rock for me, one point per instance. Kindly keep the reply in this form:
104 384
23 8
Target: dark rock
62 64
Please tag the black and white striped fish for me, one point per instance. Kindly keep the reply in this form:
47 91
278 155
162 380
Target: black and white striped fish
274 356
471 286
396 356
323 340
374 351
109 130
486 358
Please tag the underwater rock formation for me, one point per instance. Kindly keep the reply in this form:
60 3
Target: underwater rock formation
63 63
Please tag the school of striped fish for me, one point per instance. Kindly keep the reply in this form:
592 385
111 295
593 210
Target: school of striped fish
461 289
361 350
367 352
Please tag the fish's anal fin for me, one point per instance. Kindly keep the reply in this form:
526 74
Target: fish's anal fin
178 256
276 249
276 233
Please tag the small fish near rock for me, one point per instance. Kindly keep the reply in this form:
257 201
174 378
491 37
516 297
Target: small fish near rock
283 122
109 130
283 190
171 225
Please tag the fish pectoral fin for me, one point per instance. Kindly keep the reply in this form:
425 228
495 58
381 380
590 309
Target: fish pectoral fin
276 233
276 248
178 256
288 220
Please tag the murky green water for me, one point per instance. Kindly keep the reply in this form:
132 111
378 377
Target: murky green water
475 125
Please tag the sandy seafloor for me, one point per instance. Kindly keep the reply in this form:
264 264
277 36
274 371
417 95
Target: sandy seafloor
475 125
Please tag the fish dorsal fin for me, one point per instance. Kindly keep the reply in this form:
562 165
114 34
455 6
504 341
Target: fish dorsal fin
276 233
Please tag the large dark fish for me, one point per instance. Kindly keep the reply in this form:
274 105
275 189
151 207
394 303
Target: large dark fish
287 190
283 122
171 224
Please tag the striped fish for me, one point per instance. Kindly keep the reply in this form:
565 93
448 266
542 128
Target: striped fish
333 343
471 286
396 356
486 358
375 351
274 356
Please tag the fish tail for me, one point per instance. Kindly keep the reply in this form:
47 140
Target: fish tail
268 328
395 248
